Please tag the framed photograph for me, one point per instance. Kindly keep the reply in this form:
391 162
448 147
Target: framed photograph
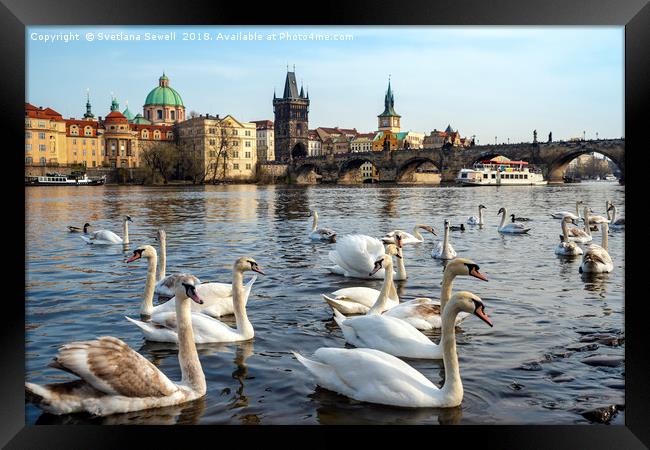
365 214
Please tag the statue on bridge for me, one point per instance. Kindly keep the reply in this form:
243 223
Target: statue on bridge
534 136
550 136
386 144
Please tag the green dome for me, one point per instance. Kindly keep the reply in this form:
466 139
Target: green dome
164 95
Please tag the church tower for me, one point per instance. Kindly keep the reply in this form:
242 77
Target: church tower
291 125
389 119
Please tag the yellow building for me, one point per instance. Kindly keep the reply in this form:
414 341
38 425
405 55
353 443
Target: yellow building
225 147
45 136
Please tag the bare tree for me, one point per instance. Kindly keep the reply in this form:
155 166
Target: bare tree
191 163
161 158
223 149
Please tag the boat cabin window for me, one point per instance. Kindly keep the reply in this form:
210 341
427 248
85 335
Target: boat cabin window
494 175
526 176
485 175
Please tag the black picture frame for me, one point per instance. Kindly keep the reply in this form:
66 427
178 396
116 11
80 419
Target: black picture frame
15 15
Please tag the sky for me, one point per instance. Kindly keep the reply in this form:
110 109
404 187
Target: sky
489 82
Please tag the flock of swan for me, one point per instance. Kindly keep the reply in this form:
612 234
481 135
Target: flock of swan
113 378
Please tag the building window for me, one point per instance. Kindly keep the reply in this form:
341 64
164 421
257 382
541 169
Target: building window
213 153
156 134
113 164
94 163
248 166
160 115
235 143
234 132
247 155
123 163
83 142
212 142
28 123
28 135
248 144
247 133
28 147
235 166
93 152
88 131
74 142
41 124
42 160
41 135
41 147
148 114
29 160
235 154
173 115
84 152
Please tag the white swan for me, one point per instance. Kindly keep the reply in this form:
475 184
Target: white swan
444 250
116 379
596 259
408 238
355 256
165 283
217 297
373 376
320 234
617 223
162 327
473 220
596 220
581 236
385 333
511 227
106 237
359 300
565 247
425 313
562 214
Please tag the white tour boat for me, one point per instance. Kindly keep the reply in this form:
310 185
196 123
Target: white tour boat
492 172
57 179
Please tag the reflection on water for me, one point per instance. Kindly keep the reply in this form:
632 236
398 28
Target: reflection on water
527 369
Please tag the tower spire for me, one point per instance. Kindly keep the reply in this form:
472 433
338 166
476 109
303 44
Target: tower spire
89 114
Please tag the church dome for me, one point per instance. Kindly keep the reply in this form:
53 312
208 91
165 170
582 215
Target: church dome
163 94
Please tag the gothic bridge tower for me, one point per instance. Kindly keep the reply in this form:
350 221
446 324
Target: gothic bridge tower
291 124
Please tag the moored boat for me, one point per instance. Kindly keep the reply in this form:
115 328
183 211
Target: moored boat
57 179
492 172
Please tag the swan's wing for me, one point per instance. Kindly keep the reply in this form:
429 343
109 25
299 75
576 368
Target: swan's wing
211 292
352 254
385 332
346 371
344 306
597 254
363 295
166 285
111 366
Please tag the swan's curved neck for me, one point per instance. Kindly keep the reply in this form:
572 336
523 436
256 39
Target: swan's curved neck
416 232
445 242
586 219
147 300
565 231
578 209
188 357
401 274
447 285
453 387
126 232
605 230
503 219
382 299
239 300
163 258
314 225
613 213
480 216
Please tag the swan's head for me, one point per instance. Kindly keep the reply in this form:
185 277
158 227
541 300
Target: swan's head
561 238
381 263
569 219
128 219
610 206
246 263
470 303
481 207
185 287
161 235
429 229
393 250
501 211
144 251
462 227
464 267
398 239
86 225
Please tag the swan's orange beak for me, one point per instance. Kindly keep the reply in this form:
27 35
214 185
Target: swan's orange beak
480 313
191 293
398 241
256 268
477 274
135 256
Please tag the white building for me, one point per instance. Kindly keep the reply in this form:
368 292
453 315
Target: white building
265 140
362 143
315 147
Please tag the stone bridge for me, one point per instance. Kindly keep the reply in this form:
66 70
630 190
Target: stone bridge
399 165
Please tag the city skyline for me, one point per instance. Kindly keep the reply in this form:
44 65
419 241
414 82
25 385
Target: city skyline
484 81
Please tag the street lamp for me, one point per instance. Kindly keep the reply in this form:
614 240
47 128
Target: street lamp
583 135
508 141
596 135
495 140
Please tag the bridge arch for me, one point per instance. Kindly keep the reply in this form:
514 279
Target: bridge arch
493 153
351 171
298 151
557 167
308 173
408 171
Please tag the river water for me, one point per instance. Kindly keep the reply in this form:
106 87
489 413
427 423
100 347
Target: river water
528 369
